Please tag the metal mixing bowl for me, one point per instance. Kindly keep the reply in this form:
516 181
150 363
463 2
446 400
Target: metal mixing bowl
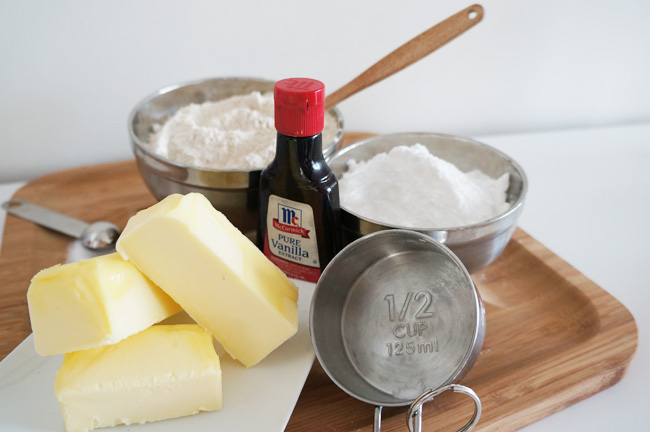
233 192
476 245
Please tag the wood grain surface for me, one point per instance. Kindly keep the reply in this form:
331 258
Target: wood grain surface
553 337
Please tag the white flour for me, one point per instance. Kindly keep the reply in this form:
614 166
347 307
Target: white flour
235 133
410 187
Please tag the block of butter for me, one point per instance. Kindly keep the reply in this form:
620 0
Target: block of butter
91 303
218 276
163 372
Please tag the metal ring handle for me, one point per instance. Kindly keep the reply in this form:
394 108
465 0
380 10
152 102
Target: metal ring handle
428 395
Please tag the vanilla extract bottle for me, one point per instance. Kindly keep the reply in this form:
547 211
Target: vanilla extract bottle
299 227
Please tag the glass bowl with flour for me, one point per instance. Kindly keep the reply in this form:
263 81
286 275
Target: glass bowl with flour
213 136
463 193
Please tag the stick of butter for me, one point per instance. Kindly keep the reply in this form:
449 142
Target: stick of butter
163 372
215 273
94 302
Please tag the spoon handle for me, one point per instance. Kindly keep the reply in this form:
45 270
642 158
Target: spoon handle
45 217
412 51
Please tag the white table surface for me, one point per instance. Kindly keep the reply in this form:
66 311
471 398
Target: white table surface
589 202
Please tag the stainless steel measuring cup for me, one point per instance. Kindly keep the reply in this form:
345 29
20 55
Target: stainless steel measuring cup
396 320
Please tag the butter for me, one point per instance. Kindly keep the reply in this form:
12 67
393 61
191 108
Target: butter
215 273
91 303
166 371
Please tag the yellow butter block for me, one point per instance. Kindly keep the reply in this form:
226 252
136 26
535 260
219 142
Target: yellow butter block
163 372
91 303
215 273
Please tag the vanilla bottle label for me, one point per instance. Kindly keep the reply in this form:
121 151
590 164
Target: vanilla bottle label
290 241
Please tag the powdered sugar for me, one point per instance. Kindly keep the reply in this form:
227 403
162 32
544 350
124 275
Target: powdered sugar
235 133
410 187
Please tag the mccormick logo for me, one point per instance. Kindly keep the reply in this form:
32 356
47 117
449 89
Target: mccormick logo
289 221
299 84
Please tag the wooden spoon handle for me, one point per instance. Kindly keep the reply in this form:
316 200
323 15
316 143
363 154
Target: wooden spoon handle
412 51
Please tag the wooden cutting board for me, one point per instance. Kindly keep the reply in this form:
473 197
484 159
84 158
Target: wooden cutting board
553 337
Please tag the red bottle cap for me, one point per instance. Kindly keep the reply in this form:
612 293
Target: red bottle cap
299 107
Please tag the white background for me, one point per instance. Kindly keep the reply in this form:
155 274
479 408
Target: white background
70 71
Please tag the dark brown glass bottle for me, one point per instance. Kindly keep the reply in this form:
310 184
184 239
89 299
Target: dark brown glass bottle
299 228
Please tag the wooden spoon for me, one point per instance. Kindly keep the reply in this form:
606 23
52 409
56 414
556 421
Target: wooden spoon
412 51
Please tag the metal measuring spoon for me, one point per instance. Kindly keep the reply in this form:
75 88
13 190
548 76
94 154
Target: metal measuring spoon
94 236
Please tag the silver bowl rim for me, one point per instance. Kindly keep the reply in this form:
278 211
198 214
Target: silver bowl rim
168 88
513 207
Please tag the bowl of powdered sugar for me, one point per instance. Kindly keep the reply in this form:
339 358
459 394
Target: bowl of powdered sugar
458 191
213 136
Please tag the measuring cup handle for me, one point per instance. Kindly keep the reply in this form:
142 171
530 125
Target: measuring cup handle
45 217
414 420
377 422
